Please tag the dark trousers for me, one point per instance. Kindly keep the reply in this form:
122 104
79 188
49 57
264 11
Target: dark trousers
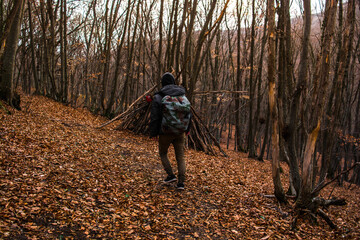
178 141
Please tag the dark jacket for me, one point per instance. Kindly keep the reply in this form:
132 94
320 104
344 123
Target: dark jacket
156 108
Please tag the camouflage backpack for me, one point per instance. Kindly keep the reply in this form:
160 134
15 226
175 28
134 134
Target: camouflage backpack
176 114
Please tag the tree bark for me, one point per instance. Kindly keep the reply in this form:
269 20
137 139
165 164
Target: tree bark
63 52
334 110
279 192
260 95
7 24
252 83
130 57
32 46
171 44
238 86
187 47
160 57
179 41
121 41
317 108
7 59
205 31
294 107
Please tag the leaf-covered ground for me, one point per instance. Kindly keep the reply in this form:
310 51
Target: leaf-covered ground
62 178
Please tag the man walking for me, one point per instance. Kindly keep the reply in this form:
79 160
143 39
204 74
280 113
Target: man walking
170 120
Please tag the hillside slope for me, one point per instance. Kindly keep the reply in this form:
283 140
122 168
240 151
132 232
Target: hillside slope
61 178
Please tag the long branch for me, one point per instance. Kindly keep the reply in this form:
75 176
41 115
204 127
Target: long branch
219 91
321 186
130 107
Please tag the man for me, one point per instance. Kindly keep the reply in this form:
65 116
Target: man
176 137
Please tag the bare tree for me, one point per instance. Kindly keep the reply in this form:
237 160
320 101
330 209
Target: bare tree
279 192
32 46
199 55
7 57
294 107
317 101
260 96
345 38
239 72
119 51
63 52
131 41
252 84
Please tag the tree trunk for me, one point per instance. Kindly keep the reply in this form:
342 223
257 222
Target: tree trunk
7 59
48 50
121 40
160 57
317 105
179 41
130 57
345 48
186 68
32 46
252 83
238 87
279 192
307 176
198 58
294 107
266 137
63 52
260 96
172 38
6 25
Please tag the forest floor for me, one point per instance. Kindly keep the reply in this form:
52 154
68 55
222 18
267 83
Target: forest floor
62 178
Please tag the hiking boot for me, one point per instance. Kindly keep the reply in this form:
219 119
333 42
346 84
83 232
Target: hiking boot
180 186
170 179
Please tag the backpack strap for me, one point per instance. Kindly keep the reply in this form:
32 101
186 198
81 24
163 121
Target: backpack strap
161 94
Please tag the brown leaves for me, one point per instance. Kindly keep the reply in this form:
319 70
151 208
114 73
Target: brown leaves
61 178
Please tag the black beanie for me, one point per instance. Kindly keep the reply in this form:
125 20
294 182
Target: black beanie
167 79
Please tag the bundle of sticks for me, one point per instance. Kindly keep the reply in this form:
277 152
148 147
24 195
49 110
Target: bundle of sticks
200 138
137 118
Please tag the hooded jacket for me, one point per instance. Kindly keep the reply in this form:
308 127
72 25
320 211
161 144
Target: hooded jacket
169 88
